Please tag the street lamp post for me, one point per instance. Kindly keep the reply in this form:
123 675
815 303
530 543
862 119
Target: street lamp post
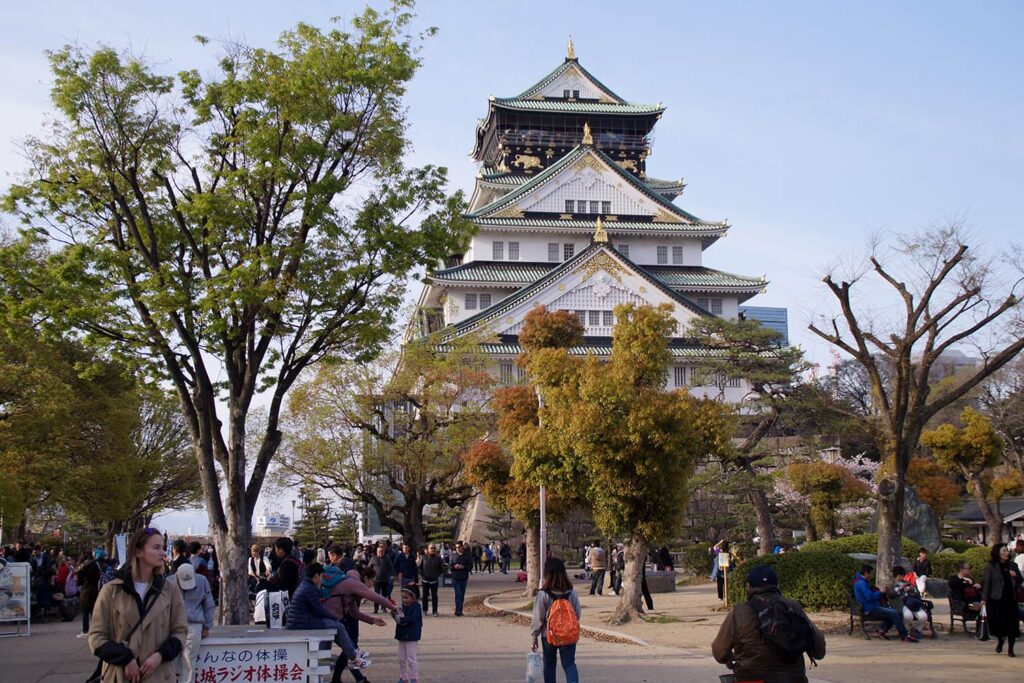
543 549
291 520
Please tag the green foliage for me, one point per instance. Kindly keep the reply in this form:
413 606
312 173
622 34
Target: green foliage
861 543
697 559
969 450
957 546
944 564
818 579
829 487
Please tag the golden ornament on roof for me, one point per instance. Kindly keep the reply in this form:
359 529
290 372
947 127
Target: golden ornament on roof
588 139
600 234
570 51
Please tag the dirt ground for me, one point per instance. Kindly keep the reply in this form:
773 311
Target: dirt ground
689 619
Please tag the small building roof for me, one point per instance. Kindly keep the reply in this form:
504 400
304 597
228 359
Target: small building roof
1009 507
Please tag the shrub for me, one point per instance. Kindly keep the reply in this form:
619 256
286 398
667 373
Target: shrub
944 565
697 559
861 543
818 579
958 546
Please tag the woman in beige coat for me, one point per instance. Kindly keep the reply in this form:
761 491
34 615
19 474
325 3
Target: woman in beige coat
138 624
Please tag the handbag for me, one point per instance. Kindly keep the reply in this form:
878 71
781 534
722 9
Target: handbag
982 631
97 675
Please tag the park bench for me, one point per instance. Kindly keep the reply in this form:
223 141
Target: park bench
958 610
857 611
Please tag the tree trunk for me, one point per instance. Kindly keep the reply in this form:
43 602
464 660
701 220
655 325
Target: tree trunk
810 530
765 527
993 518
231 547
891 492
630 598
415 535
532 559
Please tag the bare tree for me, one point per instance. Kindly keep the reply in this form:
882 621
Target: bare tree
945 296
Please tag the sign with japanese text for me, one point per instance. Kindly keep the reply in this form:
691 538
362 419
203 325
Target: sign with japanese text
253 662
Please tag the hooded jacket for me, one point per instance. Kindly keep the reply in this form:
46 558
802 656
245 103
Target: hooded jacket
739 643
164 627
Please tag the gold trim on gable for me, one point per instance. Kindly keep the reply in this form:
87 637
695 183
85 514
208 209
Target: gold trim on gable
589 161
664 216
601 261
510 212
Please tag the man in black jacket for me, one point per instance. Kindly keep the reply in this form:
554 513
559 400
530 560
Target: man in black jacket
288 573
406 571
383 570
462 563
431 568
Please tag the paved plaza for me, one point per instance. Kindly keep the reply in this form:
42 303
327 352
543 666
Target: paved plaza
488 649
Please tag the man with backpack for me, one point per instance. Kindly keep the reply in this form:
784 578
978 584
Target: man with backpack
768 634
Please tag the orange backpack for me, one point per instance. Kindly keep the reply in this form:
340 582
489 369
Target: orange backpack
563 627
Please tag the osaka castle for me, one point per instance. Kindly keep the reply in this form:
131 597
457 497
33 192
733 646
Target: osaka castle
568 218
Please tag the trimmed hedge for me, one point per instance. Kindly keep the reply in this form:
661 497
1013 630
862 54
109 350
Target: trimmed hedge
957 546
697 559
944 564
861 543
818 579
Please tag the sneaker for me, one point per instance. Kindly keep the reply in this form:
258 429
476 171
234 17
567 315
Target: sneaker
882 634
436 614
918 634
82 635
909 639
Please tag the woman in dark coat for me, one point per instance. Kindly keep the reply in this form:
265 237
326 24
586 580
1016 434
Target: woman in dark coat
88 574
999 592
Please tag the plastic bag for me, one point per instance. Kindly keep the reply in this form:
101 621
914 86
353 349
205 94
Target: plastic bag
534 668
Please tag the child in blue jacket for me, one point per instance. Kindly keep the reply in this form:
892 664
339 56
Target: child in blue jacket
407 632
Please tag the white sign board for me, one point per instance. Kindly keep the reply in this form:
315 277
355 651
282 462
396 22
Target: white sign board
15 601
121 547
262 657
723 560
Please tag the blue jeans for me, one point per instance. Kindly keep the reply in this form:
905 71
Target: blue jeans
568 655
889 618
460 593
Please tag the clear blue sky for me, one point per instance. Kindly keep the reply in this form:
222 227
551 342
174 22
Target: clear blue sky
807 124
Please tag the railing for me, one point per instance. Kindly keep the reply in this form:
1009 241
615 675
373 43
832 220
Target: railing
626 142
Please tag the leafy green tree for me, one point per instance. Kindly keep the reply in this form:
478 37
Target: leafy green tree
503 470
392 434
314 526
612 428
941 295
975 451
746 350
829 487
232 230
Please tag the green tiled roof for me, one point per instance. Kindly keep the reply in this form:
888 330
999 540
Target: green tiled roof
571 157
537 87
699 276
519 274
597 349
699 229
577 107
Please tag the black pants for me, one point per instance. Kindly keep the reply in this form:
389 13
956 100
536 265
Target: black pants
381 588
352 628
611 579
647 593
721 587
429 594
597 582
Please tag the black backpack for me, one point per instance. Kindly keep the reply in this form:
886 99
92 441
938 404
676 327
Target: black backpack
785 630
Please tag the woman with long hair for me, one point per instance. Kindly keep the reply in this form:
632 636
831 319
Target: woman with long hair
138 624
999 593
88 574
556 586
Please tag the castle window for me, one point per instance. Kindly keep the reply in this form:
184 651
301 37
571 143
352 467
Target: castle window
662 256
677 256
576 94
624 250
513 251
505 373
565 93
716 306
567 251
582 317
570 206
485 301
735 382
595 318
703 303
606 207
552 251
471 302
679 376
499 250
607 319
594 207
